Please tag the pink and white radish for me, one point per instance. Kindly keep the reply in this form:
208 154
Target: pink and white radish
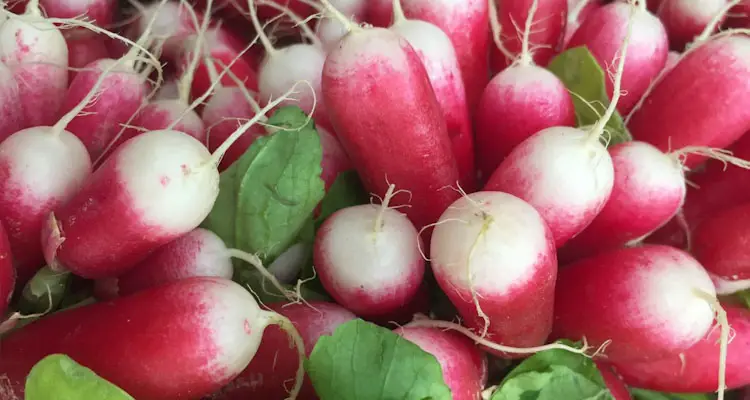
494 257
275 363
397 133
466 23
463 364
518 102
603 32
11 109
7 272
681 108
35 51
687 372
84 48
173 25
685 20
368 259
330 30
578 10
153 189
546 38
651 302
99 12
40 168
719 242
182 340
436 51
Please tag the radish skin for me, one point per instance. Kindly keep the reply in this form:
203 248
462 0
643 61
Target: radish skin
719 242
213 326
684 20
466 23
643 299
396 133
436 51
464 366
274 365
578 11
199 253
98 12
602 33
7 272
11 110
546 37
83 49
367 257
380 13
36 52
172 23
494 257
682 109
649 189
686 372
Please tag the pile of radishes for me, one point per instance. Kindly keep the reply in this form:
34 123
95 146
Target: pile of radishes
501 223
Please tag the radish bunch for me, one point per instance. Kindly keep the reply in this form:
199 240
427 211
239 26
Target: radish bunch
440 177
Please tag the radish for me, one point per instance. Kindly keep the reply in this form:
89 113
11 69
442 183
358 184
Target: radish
7 272
464 365
604 30
281 68
153 189
98 12
684 20
518 102
183 340
379 13
198 253
274 365
719 242
83 49
494 257
739 15
578 11
546 38
436 51
682 109
466 23
649 301
687 371
649 189
395 133
40 168
367 258
36 53
11 110
173 25
330 31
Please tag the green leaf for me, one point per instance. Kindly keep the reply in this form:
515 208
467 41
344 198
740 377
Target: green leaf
744 296
346 191
546 374
269 194
44 292
58 377
643 394
366 362
583 76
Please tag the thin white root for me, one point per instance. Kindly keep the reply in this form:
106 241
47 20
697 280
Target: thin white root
526 56
714 24
723 155
298 21
255 261
185 82
346 22
378 223
499 347
398 12
721 318
241 86
497 30
272 318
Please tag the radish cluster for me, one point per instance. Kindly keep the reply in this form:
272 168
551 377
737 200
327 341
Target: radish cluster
117 137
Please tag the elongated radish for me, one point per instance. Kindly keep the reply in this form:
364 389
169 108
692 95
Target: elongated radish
7 272
681 109
368 259
153 189
283 67
494 257
35 51
518 102
603 32
684 20
719 242
436 51
644 299
466 23
183 340
686 372
198 253
83 49
546 38
274 365
648 190
40 168
11 110
464 365
397 132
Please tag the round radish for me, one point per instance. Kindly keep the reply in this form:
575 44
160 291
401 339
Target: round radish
11 110
83 49
494 257
367 257
684 20
578 10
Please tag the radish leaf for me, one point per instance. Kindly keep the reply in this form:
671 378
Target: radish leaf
583 76
346 191
364 361
58 377
46 285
